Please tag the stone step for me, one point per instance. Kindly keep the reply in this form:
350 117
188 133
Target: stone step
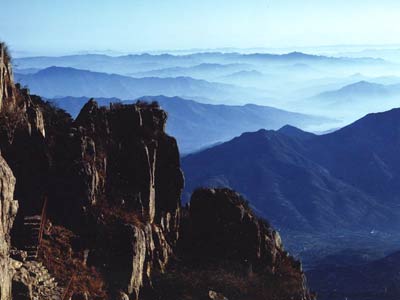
32 240
30 246
45 287
32 223
33 218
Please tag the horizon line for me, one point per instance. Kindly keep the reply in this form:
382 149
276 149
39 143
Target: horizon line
19 53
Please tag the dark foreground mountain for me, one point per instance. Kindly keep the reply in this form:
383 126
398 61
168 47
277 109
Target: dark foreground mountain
196 125
343 181
100 217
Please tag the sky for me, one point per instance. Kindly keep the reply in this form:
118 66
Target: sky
54 26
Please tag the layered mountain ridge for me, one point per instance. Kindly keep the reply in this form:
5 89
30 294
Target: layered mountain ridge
67 81
197 125
345 180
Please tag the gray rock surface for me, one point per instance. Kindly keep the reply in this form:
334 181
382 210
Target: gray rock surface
8 211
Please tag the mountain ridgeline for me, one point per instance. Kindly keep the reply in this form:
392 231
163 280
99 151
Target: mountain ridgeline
293 81
198 125
105 189
345 180
61 81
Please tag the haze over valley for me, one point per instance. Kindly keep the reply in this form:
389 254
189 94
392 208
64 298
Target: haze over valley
334 87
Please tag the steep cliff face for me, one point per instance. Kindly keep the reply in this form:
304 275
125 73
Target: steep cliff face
22 136
7 88
118 175
8 210
112 176
226 251
127 161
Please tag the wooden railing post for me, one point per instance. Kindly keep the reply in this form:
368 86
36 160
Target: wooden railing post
43 219
68 288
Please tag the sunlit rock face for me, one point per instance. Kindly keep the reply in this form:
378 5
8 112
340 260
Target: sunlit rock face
8 210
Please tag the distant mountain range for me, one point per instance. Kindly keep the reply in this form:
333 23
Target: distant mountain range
361 89
278 80
345 180
356 99
60 81
205 71
197 125
147 62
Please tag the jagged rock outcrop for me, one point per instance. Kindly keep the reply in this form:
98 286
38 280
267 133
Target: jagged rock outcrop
119 176
225 248
22 137
8 210
7 87
222 226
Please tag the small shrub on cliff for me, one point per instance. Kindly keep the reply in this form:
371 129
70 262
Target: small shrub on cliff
112 214
7 56
10 119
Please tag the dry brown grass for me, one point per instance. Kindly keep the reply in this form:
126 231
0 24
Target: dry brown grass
58 256
188 282
114 214
7 56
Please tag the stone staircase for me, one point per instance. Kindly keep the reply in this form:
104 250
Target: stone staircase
32 279
44 286
32 226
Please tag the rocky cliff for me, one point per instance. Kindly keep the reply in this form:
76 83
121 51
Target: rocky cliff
101 196
8 210
225 251
22 135
123 190
7 87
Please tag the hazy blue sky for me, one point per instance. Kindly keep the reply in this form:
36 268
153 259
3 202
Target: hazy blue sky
136 25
